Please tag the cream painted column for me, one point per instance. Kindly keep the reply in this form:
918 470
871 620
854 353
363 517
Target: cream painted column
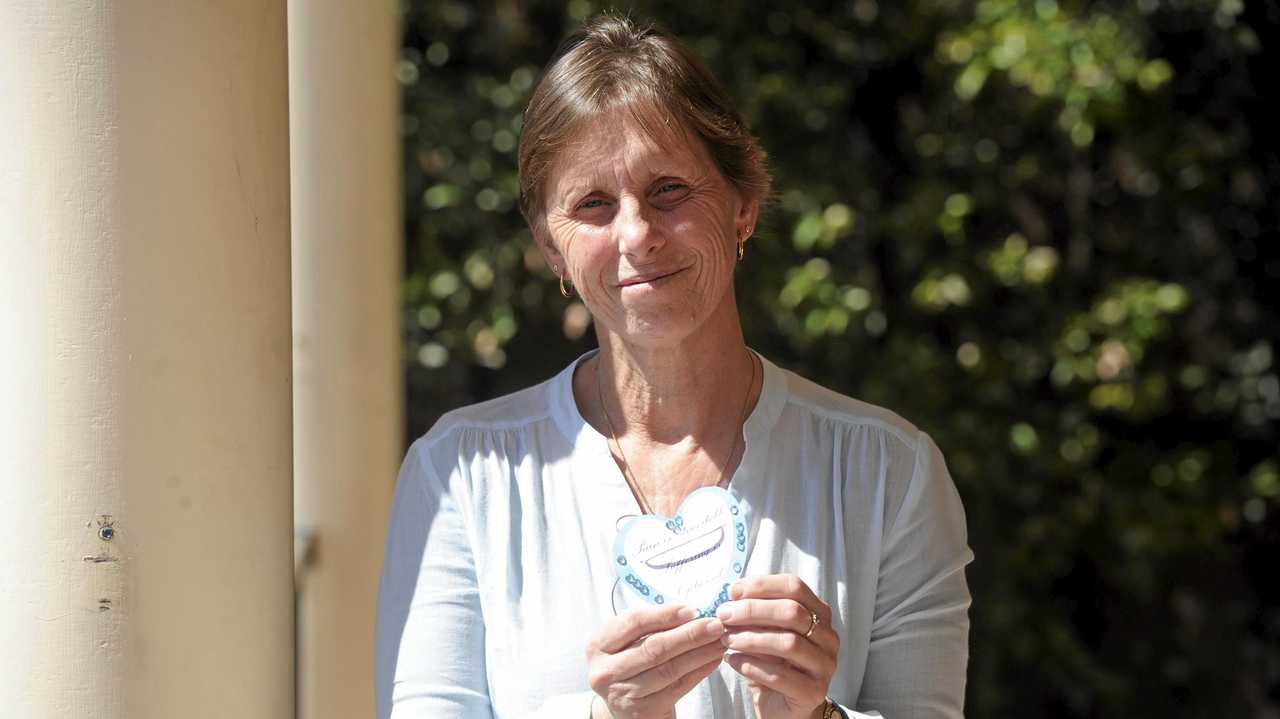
344 123
145 441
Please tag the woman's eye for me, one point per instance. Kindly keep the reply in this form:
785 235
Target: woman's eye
670 187
590 204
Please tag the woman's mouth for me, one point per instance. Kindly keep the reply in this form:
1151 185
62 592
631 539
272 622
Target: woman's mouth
649 280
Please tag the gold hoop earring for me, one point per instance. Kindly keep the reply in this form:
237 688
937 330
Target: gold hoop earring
565 291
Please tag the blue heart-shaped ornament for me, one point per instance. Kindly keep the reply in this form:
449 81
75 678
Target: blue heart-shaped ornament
690 558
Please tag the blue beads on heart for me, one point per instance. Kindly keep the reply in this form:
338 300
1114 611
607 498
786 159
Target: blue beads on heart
638 585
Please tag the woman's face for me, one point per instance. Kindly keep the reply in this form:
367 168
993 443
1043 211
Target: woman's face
646 232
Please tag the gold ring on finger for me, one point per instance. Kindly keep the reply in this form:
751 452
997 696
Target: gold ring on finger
813 623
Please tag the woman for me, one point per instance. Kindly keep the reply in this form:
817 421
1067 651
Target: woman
642 186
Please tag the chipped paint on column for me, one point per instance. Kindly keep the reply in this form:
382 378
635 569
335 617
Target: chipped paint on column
61 341
145 449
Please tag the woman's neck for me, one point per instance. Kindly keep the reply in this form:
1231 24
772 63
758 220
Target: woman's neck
672 395
690 396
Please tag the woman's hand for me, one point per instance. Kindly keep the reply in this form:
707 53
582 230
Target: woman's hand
767 621
643 660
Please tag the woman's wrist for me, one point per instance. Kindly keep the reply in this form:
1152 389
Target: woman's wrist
828 709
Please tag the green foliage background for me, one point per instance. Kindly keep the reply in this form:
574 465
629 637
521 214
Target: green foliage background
1045 232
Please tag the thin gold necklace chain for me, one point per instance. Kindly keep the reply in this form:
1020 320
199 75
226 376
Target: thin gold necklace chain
626 467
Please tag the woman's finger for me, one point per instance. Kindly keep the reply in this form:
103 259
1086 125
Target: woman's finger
780 586
772 673
684 685
626 629
789 646
672 671
657 649
785 614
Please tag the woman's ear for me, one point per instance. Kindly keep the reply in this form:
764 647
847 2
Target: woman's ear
744 221
549 252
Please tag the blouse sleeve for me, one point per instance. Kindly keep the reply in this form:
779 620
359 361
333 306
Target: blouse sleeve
429 637
919 647
429 656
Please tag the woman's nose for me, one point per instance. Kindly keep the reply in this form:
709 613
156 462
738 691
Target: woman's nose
635 234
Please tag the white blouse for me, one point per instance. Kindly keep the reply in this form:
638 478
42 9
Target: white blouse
498 558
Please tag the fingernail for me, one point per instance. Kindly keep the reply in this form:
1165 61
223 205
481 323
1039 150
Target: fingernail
736 590
685 614
724 613
714 627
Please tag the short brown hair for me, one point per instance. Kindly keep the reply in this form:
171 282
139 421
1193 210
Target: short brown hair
612 63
